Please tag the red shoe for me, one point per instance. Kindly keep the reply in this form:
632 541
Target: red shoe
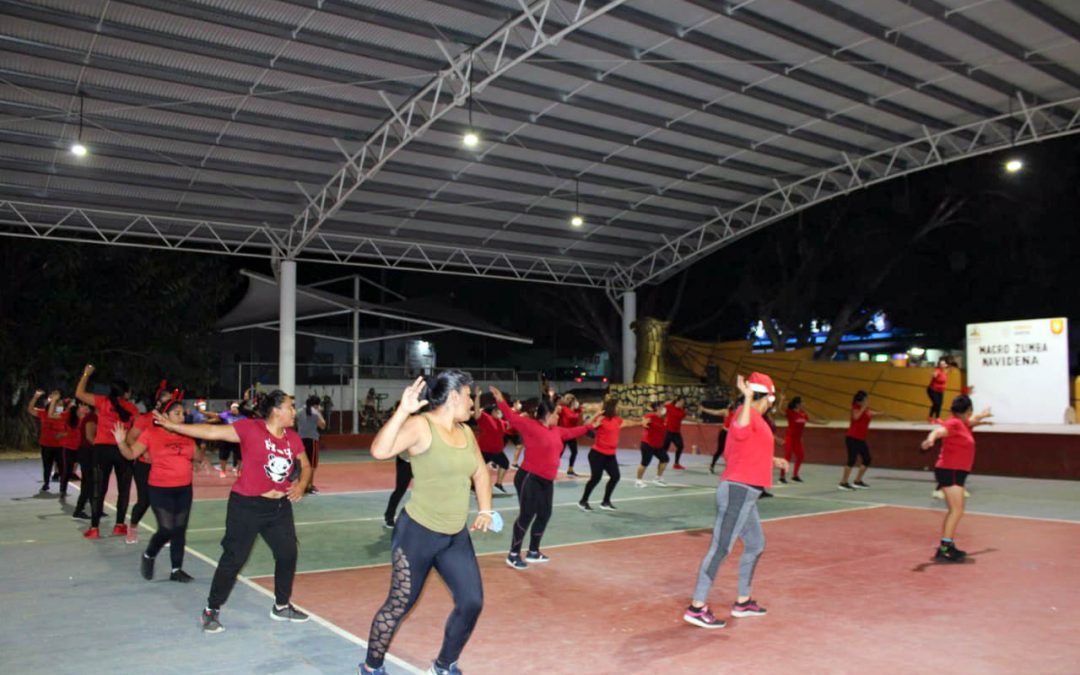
679 467
119 530
92 533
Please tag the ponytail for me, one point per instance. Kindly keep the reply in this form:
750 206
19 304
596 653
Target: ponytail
117 389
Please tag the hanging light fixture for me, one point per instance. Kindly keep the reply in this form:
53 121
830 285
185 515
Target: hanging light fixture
577 220
77 148
470 139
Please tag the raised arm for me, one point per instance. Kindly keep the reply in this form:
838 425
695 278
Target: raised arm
32 407
980 419
402 432
476 411
515 420
80 389
934 436
715 412
206 432
570 433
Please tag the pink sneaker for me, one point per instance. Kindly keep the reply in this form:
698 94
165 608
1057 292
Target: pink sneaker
221 474
132 536
748 608
702 616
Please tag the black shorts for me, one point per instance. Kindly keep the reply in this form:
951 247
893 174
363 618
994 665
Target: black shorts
497 458
857 449
648 452
949 477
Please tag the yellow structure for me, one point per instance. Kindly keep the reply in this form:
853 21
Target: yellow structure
826 387
655 364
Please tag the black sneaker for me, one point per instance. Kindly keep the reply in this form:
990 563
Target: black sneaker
584 506
146 566
388 524
44 488
516 562
846 486
766 493
288 613
783 480
796 479
181 576
859 485
607 506
56 475
210 622
536 557
499 487
81 515
949 554
571 472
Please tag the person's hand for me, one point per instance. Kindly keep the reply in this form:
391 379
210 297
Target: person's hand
410 398
38 393
926 444
295 492
499 398
482 523
119 433
88 370
986 413
780 463
161 420
744 388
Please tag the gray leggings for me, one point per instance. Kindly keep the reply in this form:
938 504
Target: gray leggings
736 516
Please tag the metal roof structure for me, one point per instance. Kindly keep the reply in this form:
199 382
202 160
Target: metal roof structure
330 130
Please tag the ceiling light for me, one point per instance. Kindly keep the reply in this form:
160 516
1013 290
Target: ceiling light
576 219
1014 165
470 139
78 149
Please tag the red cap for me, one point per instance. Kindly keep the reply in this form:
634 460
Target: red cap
762 383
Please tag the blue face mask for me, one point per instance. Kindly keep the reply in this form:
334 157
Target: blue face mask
496 522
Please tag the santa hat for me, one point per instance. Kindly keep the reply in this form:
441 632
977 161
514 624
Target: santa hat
200 403
763 384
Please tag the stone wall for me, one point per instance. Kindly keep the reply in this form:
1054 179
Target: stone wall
634 399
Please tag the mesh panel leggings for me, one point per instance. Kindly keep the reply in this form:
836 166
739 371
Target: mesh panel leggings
245 519
736 518
536 497
172 507
107 458
415 551
599 463
140 471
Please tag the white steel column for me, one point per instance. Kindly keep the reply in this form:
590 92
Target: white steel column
629 338
356 358
287 329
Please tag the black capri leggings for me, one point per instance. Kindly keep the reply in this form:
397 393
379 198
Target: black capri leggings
141 472
598 464
498 459
676 438
49 455
415 551
311 449
402 478
172 508
857 449
537 497
648 452
226 449
720 440
107 458
936 399
572 445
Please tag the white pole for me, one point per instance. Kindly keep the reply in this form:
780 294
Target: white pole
287 333
629 338
356 359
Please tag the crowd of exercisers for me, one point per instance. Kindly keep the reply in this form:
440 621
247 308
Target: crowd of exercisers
451 449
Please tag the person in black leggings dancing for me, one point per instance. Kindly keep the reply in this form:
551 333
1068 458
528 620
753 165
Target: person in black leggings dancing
602 457
141 465
50 437
432 531
725 423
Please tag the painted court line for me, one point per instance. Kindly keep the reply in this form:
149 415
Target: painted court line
598 541
329 625
941 509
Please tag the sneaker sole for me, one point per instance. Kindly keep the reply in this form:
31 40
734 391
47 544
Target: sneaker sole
586 510
219 629
743 615
845 489
275 617
515 567
861 487
608 508
529 561
701 624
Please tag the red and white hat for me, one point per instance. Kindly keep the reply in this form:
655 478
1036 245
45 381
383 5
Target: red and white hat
762 383
200 403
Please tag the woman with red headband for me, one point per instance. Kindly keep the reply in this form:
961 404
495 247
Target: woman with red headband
141 465
169 483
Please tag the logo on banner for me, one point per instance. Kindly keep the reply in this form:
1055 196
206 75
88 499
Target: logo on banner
1057 326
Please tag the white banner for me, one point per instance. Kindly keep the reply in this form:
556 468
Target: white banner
1020 369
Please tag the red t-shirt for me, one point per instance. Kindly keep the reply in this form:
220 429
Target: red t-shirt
171 455
674 417
940 379
543 446
90 418
72 434
107 418
858 427
568 417
142 423
796 422
654 430
268 460
728 419
749 452
958 448
607 435
490 434
53 429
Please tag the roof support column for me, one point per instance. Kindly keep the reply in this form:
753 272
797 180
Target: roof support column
287 329
356 357
629 338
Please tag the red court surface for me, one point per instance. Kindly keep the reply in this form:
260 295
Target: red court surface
847 592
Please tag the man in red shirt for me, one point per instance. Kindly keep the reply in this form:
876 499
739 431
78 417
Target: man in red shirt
748 473
652 445
674 412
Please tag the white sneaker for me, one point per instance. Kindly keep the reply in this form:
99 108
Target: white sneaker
640 484
937 494
660 482
966 493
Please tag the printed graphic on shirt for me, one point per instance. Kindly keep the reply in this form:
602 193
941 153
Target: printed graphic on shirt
279 462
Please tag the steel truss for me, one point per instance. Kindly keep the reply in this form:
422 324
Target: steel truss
118 228
468 72
1026 124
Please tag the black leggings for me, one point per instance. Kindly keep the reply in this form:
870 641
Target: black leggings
720 440
598 464
172 507
49 455
936 399
415 551
676 438
402 478
141 472
572 444
311 448
245 519
107 458
86 480
498 459
536 496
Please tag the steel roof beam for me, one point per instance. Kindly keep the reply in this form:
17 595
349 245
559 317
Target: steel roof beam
1050 16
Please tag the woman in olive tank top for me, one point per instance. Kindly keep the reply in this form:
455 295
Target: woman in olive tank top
431 530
